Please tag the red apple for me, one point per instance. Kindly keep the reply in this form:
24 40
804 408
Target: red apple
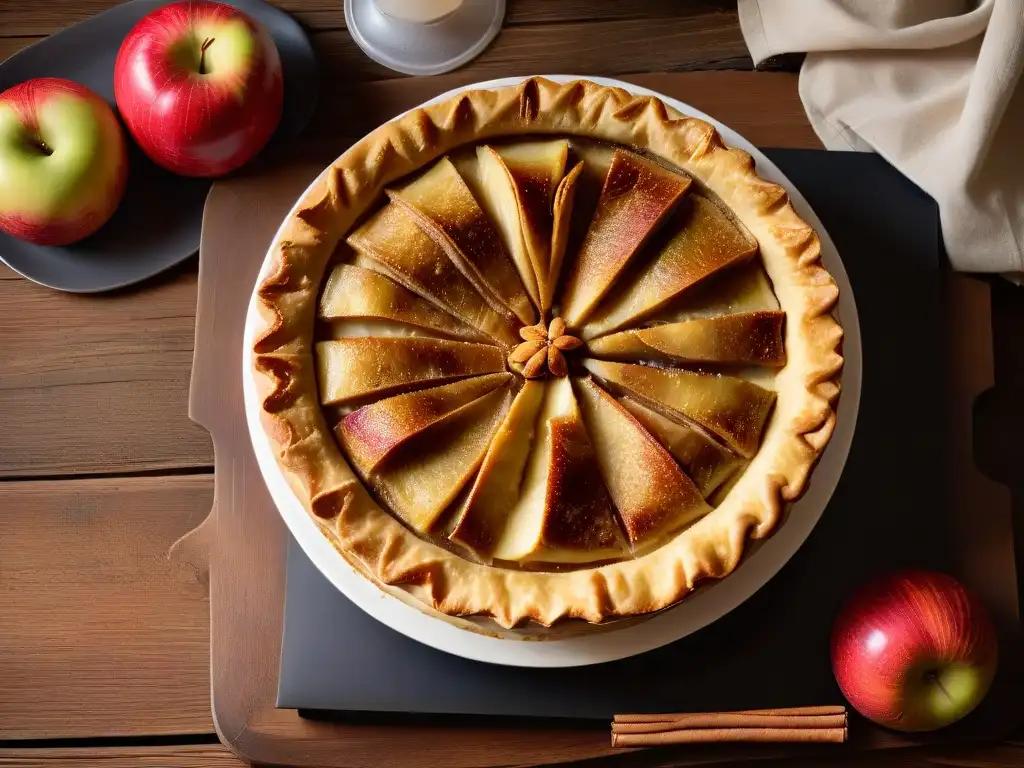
63 162
914 651
200 87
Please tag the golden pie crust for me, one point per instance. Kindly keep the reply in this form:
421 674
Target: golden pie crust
380 546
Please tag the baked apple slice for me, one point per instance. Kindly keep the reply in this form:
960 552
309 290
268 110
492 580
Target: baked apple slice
362 302
518 188
593 158
652 494
699 241
350 369
391 243
562 215
442 205
496 487
706 462
597 157
746 338
374 432
488 184
422 478
636 198
730 408
743 287
564 513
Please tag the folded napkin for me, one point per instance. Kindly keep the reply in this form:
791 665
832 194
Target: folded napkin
934 86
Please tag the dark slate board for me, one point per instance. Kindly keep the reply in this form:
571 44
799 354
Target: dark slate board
335 658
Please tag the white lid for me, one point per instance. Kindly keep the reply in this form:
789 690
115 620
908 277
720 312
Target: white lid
415 48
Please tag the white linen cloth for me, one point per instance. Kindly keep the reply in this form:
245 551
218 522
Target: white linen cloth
934 86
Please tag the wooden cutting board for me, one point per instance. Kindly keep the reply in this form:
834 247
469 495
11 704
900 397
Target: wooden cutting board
243 540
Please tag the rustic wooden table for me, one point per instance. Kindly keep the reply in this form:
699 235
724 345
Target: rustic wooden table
104 640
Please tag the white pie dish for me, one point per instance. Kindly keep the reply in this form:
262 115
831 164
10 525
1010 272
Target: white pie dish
563 646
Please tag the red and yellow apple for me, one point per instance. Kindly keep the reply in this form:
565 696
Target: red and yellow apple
914 651
200 87
63 162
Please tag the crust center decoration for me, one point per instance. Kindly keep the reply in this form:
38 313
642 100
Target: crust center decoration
542 350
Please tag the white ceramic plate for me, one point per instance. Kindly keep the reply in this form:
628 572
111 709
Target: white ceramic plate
697 610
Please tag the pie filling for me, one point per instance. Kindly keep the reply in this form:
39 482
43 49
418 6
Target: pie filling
548 354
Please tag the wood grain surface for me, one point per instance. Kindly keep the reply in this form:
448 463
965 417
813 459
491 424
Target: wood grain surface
676 43
19 19
85 391
218 756
198 756
649 35
101 635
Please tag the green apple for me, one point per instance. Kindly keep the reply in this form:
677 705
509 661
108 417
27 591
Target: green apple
63 161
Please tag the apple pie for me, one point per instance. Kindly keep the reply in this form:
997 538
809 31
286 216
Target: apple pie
546 352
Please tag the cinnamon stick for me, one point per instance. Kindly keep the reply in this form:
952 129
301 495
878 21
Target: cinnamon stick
796 724
724 735
837 709
733 720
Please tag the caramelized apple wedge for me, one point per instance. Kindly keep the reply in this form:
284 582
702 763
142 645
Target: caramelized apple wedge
562 213
485 175
594 158
597 157
699 240
732 409
391 243
746 338
743 287
442 205
496 487
350 369
519 182
357 297
563 513
652 494
636 198
706 462
374 432
424 475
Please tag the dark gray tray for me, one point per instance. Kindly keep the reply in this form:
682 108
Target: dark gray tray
157 224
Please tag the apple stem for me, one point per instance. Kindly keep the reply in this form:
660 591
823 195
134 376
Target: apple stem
42 146
202 54
933 677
